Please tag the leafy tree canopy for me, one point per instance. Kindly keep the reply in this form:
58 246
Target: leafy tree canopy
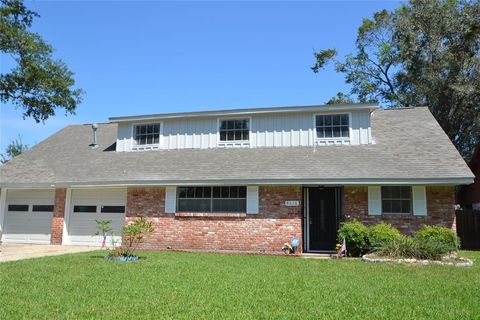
425 53
15 148
38 84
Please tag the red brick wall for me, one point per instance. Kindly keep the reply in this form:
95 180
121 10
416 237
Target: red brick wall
264 232
58 216
440 208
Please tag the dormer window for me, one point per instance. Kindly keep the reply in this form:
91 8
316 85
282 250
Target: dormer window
234 130
332 126
147 134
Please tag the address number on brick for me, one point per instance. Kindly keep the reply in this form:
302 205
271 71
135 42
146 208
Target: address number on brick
292 203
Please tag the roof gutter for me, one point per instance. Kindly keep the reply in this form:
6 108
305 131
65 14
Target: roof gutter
331 182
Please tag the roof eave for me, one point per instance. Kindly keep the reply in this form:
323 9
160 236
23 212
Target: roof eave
363 181
249 111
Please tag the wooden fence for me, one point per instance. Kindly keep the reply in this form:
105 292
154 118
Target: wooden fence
468 228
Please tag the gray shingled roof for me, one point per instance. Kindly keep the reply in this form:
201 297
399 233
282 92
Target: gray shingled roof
410 147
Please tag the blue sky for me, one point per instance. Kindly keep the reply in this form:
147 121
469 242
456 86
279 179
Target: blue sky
156 57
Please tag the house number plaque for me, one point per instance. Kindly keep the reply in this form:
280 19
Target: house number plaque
292 203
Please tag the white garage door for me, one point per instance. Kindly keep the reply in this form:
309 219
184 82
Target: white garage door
28 216
95 204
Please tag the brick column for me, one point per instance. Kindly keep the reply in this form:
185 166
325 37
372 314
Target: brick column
58 216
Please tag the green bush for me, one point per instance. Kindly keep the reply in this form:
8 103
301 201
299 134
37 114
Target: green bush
412 248
441 236
356 237
381 233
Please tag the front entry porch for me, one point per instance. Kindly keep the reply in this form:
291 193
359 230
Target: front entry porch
322 212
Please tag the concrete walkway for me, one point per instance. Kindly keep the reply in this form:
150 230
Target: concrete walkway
16 251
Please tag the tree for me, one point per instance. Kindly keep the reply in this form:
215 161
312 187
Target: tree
38 83
341 98
15 148
425 53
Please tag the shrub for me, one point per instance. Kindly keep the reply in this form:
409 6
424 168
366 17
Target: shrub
381 233
356 237
412 248
133 235
441 236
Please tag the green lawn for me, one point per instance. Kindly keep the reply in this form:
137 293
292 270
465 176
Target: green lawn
215 286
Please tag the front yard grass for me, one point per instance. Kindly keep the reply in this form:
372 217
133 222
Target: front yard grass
215 286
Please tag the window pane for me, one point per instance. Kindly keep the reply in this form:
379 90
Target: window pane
328 132
245 135
42 208
85 209
207 192
344 119
198 192
223 125
336 120
225 192
230 135
345 132
245 124
320 133
194 205
238 124
319 121
230 124
156 139
386 206
406 206
229 205
396 193
328 120
150 129
233 192
336 132
182 192
386 192
190 192
217 192
242 192
18 207
112 209
223 136
406 192
396 206
238 135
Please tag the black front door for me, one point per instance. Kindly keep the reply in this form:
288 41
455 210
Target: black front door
322 218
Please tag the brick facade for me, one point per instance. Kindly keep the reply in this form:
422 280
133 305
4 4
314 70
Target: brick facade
440 208
58 216
266 231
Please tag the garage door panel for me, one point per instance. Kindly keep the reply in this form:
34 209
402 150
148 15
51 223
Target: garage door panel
28 226
82 226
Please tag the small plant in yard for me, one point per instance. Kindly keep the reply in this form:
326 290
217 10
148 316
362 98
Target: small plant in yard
356 235
441 235
133 235
382 232
104 229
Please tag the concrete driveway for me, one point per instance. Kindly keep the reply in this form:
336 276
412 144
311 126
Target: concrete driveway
16 251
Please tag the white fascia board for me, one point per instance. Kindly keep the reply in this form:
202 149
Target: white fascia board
331 182
249 111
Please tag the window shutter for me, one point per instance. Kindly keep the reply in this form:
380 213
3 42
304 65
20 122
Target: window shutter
419 201
252 199
170 199
374 201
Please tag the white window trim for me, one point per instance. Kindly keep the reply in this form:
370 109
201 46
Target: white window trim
234 143
411 213
342 139
152 146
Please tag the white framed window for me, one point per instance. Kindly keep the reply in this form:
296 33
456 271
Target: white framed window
396 200
145 134
226 199
332 126
234 130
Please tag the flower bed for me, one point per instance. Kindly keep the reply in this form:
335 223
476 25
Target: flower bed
447 261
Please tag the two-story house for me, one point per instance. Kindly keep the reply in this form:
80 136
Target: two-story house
241 180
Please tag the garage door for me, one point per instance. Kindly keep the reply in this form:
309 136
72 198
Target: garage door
95 204
28 216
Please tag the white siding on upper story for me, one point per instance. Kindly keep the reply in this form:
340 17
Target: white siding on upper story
273 130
